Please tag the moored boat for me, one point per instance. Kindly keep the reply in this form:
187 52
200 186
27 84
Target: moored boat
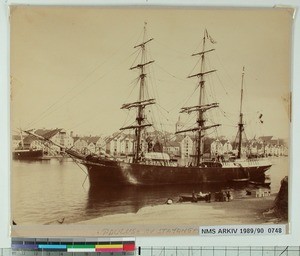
148 168
27 154
195 197
160 171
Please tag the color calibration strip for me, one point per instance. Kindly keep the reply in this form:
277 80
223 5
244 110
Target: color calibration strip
126 246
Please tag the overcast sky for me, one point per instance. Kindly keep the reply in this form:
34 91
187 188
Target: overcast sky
70 67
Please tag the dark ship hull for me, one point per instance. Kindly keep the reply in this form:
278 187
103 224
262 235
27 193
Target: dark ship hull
256 168
111 172
27 154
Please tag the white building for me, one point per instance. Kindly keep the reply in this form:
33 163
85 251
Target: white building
126 145
80 144
227 147
58 136
187 147
216 148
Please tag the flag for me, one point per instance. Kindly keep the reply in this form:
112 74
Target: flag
260 118
210 38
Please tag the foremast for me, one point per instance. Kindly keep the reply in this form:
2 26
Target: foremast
142 102
201 108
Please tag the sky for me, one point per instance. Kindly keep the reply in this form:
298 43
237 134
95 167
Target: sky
70 67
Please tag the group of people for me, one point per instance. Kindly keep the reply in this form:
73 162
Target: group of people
223 196
201 197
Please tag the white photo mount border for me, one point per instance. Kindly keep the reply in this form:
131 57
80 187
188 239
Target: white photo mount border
291 239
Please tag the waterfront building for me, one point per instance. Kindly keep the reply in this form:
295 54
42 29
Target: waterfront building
58 136
187 147
126 144
216 148
79 144
227 147
16 141
172 149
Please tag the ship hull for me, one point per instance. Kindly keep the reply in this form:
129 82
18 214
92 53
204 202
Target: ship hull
27 154
109 172
256 168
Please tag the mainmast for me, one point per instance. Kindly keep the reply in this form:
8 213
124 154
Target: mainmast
142 102
201 107
241 124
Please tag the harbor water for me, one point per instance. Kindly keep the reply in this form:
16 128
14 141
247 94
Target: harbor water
54 191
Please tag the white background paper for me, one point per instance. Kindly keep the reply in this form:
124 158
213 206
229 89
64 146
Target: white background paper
294 179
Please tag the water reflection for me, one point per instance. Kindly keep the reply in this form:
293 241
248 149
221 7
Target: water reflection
112 200
47 191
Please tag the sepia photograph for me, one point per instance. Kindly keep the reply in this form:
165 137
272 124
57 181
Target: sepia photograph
149 117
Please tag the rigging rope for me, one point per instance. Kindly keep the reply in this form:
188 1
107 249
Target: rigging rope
167 72
43 114
80 92
167 47
179 103
198 61
235 85
136 80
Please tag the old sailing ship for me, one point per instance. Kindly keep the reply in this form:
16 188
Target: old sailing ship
143 171
156 169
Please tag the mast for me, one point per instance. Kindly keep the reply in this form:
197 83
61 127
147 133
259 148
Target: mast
142 102
241 124
200 120
22 139
201 107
